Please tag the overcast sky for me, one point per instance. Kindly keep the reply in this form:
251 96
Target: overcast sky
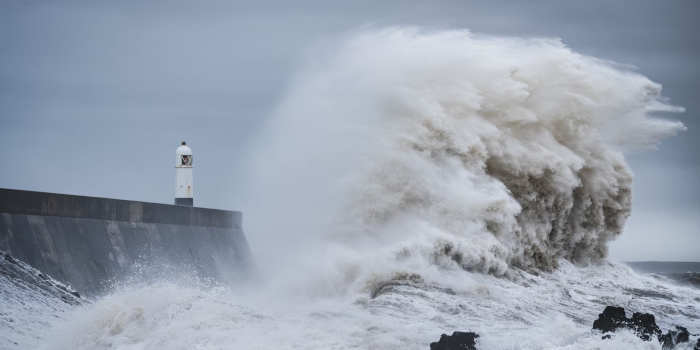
95 96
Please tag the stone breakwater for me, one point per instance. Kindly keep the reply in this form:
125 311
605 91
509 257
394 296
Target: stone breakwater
89 242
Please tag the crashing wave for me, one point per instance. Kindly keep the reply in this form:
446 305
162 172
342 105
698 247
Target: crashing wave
459 150
401 158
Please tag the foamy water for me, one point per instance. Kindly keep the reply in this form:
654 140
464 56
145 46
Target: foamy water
549 311
413 183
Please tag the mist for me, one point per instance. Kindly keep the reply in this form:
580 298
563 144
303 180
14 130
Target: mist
414 149
101 93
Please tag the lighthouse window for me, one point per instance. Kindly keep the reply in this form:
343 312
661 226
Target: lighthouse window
186 160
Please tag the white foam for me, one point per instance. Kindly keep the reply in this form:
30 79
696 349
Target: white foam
550 311
427 169
401 149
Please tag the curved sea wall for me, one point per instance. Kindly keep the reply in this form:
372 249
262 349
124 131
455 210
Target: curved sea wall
89 242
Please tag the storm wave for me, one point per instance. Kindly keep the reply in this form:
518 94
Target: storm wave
459 150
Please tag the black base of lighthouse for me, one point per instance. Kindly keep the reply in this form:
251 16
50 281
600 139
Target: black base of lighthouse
187 202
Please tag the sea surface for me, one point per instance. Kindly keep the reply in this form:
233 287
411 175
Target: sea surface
412 183
524 311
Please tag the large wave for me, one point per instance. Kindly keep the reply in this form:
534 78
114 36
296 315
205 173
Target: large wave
401 158
415 149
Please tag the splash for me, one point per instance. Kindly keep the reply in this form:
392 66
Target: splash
410 149
401 158
549 311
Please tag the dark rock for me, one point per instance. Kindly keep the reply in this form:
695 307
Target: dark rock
674 337
644 325
456 341
697 345
683 335
612 318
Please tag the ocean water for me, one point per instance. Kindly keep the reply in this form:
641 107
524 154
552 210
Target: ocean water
413 183
527 311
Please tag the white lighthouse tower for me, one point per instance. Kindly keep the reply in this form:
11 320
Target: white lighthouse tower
183 176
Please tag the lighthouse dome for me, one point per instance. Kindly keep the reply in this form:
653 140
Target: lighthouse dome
183 156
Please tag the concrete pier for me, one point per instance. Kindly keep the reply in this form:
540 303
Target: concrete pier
89 242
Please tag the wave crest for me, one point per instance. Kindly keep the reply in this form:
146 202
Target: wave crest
462 150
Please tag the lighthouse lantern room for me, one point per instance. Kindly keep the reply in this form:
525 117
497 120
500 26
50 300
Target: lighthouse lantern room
183 176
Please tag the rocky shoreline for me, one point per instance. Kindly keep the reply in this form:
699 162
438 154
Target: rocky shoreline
643 325
611 320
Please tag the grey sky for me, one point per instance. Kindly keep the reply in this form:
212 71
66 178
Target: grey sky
95 96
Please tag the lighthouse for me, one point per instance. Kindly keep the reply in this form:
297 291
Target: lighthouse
183 176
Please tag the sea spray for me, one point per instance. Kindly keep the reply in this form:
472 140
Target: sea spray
414 183
527 311
399 150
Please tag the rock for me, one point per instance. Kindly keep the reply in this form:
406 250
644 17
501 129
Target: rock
611 319
644 325
456 341
697 345
673 337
